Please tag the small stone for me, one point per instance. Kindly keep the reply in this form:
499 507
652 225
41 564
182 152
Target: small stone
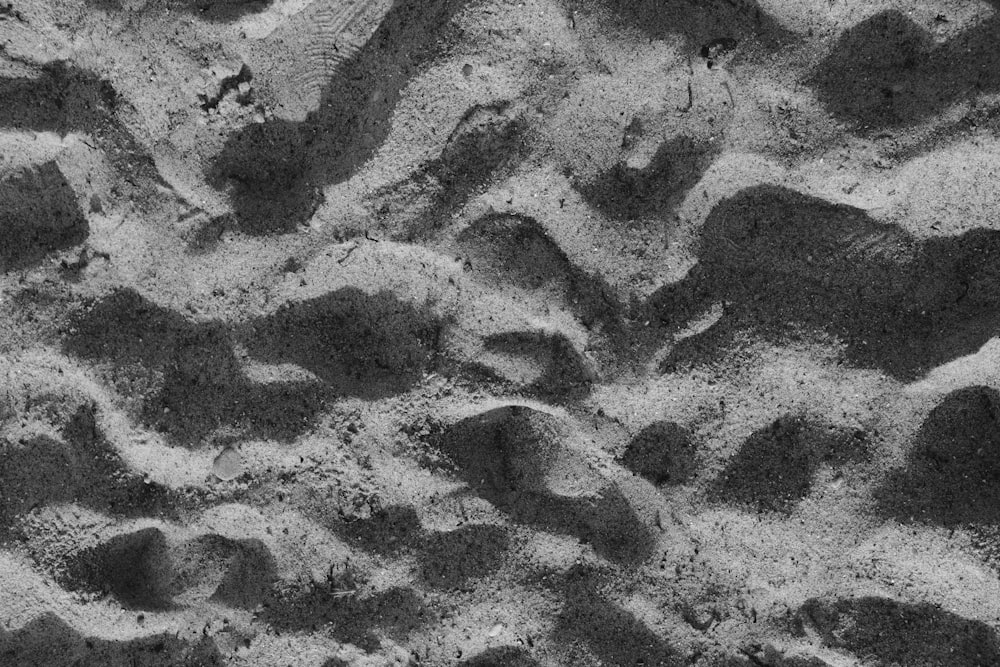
228 464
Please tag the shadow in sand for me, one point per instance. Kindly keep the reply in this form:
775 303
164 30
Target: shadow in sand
452 559
514 458
518 251
611 633
142 570
39 214
786 265
242 571
505 656
337 609
389 531
134 568
64 99
700 22
275 171
564 376
216 11
182 377
775 467
368 345
952 476
887 71
185 379
630 193
80 467
48 641
885 631
61 99
662 453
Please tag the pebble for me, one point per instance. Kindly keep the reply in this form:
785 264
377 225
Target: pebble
228 464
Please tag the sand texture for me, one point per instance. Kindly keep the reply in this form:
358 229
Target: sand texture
561 333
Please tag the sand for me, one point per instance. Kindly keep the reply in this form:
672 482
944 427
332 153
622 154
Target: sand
570 333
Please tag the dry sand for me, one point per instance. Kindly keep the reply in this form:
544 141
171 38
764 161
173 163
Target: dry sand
450 332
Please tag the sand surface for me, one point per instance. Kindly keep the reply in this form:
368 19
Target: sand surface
568 333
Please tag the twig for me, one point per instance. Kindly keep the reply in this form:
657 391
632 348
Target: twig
730 91
344 594
690 102
752 657
347 254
